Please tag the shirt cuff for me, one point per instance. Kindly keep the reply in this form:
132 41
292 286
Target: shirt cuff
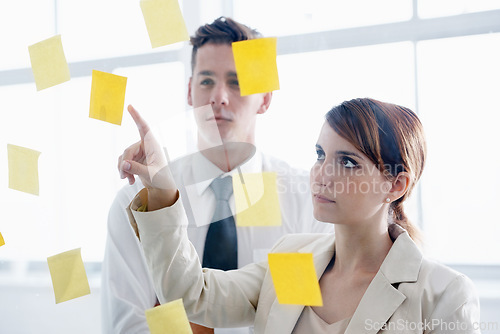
137 204
173 215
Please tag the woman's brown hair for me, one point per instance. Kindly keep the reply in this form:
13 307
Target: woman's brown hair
391 136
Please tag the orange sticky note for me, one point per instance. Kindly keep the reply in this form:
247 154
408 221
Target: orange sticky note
68 275
255 62
168 318
256 199
107 97
164 22
2 242
48 63
295 279
23 169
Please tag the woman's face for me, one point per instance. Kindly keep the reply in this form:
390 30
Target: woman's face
347 188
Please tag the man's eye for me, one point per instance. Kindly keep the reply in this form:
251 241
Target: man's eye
234 83
320 155
348 162
206 82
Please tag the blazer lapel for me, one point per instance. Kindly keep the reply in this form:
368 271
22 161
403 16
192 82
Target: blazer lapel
282 318
378 304
381 299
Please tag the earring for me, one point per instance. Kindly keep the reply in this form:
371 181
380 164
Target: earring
388 200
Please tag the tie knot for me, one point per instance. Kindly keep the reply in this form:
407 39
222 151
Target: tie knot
222 188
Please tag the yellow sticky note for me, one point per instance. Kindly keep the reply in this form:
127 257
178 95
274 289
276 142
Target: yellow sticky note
295 279
164 22
107 97
68 275
48 63
255 62
256 199
2 242
168 318
23 169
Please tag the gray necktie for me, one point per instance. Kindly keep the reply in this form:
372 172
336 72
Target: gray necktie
221 244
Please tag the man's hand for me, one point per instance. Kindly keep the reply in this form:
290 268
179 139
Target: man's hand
147 160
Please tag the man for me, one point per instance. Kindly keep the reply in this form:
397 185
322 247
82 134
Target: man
127 289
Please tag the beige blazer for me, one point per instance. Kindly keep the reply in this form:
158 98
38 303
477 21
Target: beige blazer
409 294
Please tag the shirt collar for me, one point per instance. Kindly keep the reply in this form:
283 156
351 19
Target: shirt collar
206 167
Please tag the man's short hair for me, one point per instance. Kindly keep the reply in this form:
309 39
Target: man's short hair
223 30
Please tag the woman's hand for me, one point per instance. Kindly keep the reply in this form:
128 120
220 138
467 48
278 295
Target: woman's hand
147 160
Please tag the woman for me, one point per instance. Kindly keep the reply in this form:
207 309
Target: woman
373 276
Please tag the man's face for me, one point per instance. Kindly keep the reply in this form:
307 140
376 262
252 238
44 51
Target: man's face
214 82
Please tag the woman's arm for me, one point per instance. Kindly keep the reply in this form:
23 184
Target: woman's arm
213 298
458 309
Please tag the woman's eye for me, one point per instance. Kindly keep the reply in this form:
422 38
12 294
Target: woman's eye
321 155
348 162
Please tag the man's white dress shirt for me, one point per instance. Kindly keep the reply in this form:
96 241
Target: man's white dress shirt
127 288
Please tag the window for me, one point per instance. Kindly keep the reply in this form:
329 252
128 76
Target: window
458 90
77 165
299 17
95 29
324 79
23 25
441 61
436 8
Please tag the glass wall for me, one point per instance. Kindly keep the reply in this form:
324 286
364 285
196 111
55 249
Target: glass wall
439 58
